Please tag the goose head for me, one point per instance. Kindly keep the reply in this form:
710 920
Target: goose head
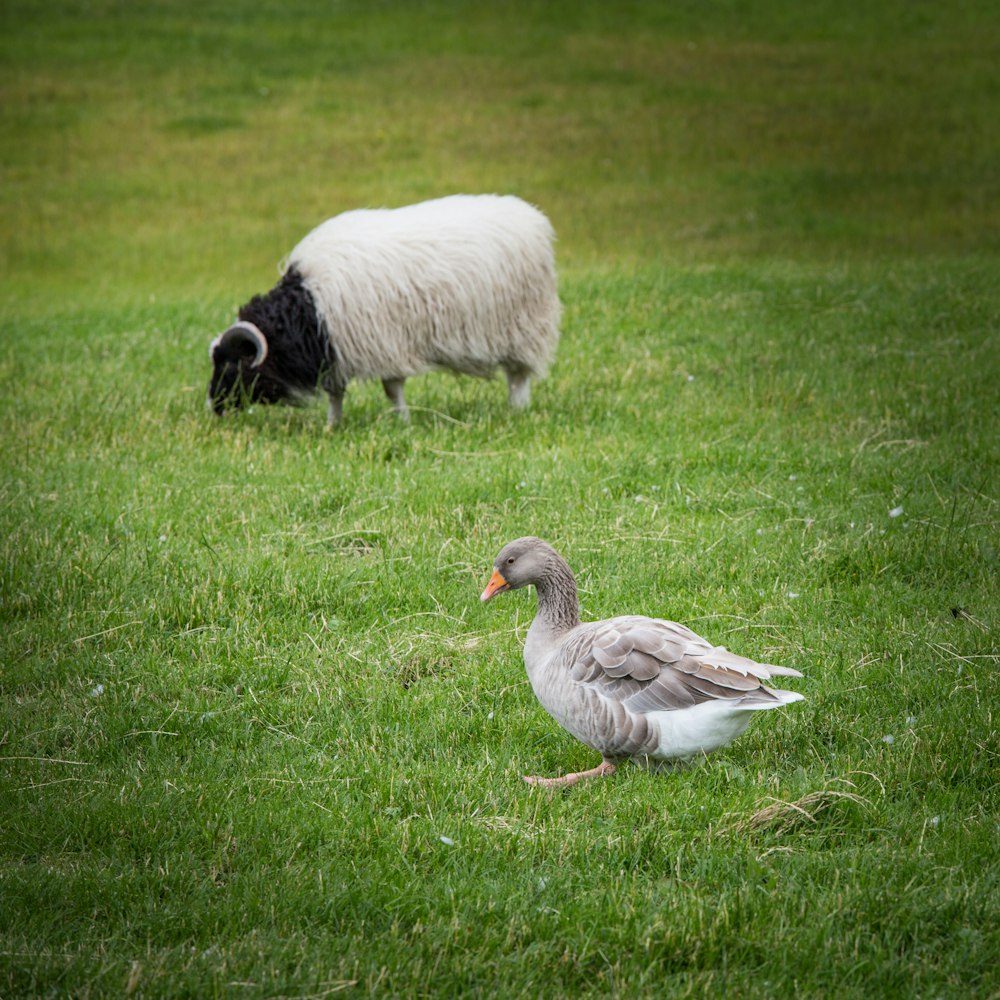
521 563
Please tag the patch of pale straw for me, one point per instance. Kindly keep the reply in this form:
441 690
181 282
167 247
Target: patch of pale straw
780 816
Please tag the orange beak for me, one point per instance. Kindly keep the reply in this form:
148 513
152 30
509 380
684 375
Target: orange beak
496 584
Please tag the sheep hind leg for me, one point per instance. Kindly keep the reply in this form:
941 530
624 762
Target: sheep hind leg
394 390
518 388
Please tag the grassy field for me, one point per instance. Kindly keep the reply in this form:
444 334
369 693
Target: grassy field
258 737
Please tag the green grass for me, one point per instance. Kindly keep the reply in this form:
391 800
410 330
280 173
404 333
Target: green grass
247 683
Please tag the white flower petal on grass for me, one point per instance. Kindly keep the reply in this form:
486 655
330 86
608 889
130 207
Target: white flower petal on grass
446 840
890 739
97 691
895 512
792 595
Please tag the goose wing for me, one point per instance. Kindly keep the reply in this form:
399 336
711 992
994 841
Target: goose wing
653 665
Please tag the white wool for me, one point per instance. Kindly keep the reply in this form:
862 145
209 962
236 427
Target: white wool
466 282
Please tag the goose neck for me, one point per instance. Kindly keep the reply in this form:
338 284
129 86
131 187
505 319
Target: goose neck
558 604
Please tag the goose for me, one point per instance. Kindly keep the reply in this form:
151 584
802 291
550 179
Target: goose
630 687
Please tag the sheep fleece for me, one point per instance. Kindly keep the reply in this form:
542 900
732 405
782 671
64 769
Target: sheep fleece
466 283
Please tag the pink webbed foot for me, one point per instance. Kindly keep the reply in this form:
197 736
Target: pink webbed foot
604 769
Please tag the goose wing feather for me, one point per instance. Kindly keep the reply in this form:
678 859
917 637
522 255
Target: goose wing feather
654 665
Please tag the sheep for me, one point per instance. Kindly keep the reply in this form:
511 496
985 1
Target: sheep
465 283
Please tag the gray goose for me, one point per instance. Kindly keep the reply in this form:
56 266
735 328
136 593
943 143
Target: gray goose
630 687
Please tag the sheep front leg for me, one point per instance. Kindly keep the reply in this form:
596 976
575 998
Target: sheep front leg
394 390
335 410
335 387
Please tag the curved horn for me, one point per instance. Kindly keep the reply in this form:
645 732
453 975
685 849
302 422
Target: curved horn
239 334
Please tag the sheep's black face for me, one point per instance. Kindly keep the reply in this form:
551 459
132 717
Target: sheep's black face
236 384
272 353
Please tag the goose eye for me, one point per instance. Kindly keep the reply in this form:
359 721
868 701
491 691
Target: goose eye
510 561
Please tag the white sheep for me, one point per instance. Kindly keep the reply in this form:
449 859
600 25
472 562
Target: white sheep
465 283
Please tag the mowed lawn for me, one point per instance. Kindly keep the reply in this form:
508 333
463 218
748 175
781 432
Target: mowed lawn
258 736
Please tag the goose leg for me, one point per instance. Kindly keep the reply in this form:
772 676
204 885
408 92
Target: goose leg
606 767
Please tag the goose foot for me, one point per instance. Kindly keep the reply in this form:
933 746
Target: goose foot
605 768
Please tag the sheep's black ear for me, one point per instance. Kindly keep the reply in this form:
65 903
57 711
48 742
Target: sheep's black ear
241 340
